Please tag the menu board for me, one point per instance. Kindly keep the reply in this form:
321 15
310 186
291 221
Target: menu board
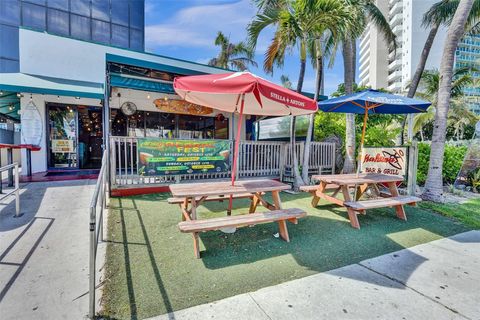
390 161
171 157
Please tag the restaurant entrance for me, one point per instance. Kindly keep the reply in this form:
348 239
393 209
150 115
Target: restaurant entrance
74 137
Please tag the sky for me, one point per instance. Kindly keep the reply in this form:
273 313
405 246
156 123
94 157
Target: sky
186 29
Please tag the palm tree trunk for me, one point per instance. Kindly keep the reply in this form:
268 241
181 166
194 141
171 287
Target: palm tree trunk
419 71
297 179
434 183
308 140
349 78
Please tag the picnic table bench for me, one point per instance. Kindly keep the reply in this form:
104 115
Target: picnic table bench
190 195
360 182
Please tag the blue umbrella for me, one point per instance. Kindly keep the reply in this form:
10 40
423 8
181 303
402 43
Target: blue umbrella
373 102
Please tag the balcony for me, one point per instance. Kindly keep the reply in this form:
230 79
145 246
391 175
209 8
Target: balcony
364 52
395 20
396 8
395 64
394 75
397 30
395 87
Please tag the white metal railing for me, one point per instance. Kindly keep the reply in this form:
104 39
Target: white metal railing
16 187
256 159
97 205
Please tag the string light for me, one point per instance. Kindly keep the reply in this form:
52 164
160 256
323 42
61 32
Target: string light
148 95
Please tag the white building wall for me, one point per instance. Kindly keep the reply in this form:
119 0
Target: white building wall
48 55
39 158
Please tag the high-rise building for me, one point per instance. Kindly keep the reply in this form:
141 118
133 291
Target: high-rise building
468 55
118 23
381 67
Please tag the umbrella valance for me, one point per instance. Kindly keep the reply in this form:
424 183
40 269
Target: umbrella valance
374 102
261 97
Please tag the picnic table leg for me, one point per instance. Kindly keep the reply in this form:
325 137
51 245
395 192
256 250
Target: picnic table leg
254 203
316 198
282 225
392 186
360 191
196 245
184 207
352 215
193 210
276 200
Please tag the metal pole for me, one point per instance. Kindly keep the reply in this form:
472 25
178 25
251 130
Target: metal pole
106 125
17 192
10 171
91 312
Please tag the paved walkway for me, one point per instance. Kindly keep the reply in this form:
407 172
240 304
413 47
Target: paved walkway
437 280
44 253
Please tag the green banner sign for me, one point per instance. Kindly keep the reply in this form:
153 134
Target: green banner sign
167 157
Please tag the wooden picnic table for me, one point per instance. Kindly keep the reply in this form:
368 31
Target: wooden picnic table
190 195
194 194
360 183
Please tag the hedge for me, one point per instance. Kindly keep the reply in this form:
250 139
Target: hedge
452 162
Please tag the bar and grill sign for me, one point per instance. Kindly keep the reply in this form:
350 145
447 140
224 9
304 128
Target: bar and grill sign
391 161
171 157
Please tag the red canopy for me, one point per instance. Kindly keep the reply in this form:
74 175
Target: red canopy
224 92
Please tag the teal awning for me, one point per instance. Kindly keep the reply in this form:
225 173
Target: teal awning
117 80
21 82
9 104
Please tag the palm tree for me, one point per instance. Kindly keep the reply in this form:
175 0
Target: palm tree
441 13
296 23
362 12
460 115
285 80
434 184
232 56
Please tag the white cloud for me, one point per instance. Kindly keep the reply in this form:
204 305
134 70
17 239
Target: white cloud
198 25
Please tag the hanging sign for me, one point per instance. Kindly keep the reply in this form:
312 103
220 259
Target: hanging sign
62 146
171 157
392 161
32 124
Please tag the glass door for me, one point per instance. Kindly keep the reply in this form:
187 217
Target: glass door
62 123
90 137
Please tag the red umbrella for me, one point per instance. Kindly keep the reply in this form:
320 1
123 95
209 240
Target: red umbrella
244 93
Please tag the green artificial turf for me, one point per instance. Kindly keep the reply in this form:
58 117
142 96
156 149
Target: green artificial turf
151 269
468 212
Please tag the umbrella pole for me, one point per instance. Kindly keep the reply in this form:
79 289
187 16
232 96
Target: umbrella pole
362 139
235 152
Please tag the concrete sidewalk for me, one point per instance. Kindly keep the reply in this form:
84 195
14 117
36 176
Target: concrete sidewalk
44 253
436 280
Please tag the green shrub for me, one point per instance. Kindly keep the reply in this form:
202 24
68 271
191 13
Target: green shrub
452 162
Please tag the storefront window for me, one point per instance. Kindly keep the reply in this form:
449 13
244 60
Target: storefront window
159 125
194 127
168 125
136 125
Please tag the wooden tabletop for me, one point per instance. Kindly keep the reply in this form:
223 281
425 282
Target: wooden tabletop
225 188
352 178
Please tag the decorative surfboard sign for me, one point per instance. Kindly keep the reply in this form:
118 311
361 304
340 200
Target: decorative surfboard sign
32 124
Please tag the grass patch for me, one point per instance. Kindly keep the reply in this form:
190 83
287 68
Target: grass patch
468 213
151 269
